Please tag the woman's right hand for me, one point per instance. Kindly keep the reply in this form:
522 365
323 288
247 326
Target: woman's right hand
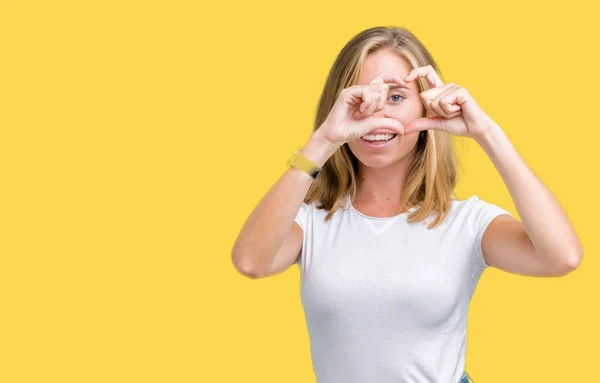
350 117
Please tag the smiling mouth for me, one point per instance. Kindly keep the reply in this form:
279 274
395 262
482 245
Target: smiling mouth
378 142
379 138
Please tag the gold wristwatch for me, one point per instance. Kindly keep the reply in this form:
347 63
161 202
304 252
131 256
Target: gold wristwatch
298 161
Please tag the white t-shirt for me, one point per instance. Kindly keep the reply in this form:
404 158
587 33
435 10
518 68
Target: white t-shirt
386 301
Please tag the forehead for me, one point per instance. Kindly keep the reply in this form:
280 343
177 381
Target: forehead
382 61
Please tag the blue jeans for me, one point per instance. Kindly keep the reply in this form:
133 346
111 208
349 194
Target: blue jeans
466 379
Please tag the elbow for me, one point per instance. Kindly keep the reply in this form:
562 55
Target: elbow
569 262
244 267
574 260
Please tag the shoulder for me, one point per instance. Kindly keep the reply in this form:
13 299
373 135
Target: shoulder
473 215
307 212
315 213
303 213
475 207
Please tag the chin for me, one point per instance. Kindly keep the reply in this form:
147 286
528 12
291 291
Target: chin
380 157
379 162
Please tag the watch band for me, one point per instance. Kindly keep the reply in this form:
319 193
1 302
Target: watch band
299 161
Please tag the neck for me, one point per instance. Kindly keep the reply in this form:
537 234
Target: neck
381 186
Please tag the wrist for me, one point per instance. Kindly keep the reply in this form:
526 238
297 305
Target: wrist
491 135
318 149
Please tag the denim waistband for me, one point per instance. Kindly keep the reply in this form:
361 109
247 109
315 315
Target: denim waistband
466 378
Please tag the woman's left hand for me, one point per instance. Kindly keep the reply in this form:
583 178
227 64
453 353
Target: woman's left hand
451 107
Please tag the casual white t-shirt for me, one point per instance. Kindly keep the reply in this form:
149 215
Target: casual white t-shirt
386 301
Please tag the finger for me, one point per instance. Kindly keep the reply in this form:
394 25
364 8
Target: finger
371 100
382 99
447 104
440 104
355 93
366 97
371 123
455 100
419 124
428 72
429 96
431 113
388 78
374 103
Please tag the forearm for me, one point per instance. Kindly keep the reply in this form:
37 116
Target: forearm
269 223
545 221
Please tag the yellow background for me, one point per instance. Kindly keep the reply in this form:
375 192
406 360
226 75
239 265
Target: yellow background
136 137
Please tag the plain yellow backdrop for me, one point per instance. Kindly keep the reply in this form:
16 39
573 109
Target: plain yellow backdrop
137 136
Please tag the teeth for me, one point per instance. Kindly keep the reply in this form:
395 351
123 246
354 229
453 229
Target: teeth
377 137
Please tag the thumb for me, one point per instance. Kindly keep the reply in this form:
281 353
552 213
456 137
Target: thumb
372 123
425 123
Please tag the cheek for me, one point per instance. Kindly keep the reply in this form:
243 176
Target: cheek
408 141
353 145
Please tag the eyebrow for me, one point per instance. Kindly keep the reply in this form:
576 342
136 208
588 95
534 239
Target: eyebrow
400 87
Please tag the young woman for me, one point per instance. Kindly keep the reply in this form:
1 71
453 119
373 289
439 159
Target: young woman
389 258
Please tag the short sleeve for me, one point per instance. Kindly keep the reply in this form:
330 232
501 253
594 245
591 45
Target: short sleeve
302 215
302 219
482 214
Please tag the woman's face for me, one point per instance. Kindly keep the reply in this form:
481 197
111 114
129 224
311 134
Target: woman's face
403 105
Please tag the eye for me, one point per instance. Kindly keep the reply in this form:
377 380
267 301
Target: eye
398 97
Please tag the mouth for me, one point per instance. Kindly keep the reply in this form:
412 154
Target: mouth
378 141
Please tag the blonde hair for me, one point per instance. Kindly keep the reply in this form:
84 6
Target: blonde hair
432 173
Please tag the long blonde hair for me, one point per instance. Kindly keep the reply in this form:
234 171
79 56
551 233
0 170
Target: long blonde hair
432 173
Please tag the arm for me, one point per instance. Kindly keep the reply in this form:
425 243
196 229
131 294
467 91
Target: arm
545 242
268 232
